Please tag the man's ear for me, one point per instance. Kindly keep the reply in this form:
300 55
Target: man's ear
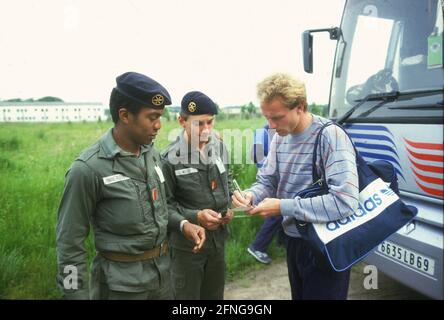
300 108
123 115
182 121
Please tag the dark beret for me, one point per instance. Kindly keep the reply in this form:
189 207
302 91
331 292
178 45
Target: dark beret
142 89
195 102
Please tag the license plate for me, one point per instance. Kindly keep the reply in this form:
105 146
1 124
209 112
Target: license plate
408 257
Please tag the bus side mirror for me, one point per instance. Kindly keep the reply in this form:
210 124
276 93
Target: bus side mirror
307 45
307 51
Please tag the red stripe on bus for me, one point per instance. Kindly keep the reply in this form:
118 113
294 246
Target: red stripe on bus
433 192
428 179
423 145
428 157
426 167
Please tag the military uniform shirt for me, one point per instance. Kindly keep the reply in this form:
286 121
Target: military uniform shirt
194 183
123 199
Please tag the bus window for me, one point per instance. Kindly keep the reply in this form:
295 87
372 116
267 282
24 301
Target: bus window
372 34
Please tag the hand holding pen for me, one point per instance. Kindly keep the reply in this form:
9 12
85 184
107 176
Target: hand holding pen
241 198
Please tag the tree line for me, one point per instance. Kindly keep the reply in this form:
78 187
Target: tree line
44 99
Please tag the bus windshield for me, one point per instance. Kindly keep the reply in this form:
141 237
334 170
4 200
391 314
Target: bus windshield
390 46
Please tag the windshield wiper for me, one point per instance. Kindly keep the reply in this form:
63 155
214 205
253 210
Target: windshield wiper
422 93
389 97
383 97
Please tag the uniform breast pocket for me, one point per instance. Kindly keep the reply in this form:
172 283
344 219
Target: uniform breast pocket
123 207
188 179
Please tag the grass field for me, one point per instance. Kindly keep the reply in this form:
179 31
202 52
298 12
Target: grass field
33 162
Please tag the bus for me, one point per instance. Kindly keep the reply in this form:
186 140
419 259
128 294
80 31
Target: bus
387 82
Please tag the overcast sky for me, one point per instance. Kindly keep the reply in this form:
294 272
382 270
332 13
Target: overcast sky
74 49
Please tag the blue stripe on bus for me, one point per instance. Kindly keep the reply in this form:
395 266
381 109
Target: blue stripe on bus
373 146
377 156
376 137
367 127
376 147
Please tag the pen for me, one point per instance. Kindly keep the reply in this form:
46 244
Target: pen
236 185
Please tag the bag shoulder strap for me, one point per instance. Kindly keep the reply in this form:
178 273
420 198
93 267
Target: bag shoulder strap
314 172
317 142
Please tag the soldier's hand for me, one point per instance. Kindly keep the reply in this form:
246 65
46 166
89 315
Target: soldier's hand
195 234
228 217
209 219
239 201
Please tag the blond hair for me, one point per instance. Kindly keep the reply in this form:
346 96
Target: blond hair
289 89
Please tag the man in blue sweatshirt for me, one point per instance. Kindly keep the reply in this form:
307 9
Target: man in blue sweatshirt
287 170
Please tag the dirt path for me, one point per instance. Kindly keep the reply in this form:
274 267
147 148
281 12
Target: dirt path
271 283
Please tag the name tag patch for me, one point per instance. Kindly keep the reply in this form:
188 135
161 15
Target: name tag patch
159 174
220 166
113 179
183 172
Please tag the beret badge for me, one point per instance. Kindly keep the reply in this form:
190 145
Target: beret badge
192 106
157 100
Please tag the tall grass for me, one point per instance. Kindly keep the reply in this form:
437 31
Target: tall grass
33 162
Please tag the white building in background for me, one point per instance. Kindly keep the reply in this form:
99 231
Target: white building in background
232 109
51 112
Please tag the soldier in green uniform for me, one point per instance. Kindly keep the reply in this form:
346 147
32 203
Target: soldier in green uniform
117 187
196 176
